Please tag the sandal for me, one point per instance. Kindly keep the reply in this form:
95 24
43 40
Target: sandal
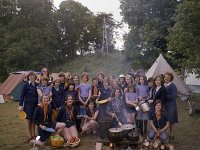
28 140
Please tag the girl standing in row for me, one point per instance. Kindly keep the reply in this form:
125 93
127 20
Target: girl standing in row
28 102
143 93
131 101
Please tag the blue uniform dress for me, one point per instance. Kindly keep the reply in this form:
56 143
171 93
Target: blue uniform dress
119 108
29 97
39 120
170 104
143 91
69 117
160 94
105 94
100 84
58 97
131 97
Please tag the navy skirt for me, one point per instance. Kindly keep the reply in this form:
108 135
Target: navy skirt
44 134
29 107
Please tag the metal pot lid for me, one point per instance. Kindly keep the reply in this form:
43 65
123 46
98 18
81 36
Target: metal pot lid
115 129
127 126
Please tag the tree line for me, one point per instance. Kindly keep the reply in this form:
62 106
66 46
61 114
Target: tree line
170 27
34 34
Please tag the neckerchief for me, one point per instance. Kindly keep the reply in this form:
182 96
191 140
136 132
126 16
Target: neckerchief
45 109
95 90
92 112
70 111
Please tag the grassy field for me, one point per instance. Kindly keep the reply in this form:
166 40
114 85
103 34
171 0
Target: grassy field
13 132
114 64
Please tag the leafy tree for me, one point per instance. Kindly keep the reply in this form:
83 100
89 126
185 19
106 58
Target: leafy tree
7 9
184 37
77 28
149 22
31 42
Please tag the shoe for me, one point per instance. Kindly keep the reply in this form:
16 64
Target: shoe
28 140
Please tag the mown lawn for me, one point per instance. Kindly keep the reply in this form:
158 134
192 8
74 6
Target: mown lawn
13 133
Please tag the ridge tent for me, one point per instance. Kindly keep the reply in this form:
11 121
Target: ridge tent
161 66
12 86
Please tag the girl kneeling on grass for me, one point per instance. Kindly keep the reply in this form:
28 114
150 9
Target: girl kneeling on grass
43 119
67 115
159 124
90 120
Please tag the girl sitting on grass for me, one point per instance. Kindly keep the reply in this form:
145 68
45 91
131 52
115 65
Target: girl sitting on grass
159 124
90 120
67 115
43 119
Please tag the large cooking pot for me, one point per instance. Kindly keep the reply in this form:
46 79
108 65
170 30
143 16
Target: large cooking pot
144 106
133 136
115 134
127 128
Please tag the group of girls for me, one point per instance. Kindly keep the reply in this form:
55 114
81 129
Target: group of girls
69 106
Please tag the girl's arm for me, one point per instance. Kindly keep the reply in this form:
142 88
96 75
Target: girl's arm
95 115
125 90
128 102
80 99
109 110
165 128
152 126
21 100
98 97
39 92
50 94
89 96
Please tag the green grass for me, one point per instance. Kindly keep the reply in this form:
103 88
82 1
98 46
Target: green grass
13 130
195 97
113 64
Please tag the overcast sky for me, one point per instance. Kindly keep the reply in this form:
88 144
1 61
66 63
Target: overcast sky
108 6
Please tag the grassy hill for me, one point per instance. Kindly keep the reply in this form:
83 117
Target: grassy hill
114 64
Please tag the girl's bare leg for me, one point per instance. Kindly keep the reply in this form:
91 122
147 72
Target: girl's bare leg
74 131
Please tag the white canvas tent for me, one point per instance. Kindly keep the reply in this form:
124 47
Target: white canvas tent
193 82
2 99
161 66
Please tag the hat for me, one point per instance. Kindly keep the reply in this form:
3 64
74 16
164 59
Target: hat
121 76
